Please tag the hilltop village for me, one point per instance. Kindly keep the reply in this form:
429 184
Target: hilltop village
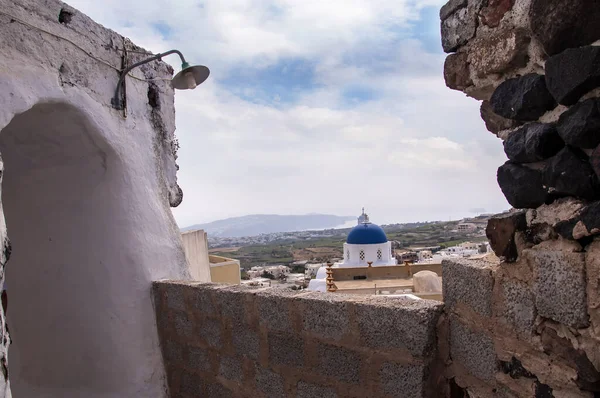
103 296
293 259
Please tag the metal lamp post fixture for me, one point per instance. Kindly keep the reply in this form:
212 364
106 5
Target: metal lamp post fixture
187 79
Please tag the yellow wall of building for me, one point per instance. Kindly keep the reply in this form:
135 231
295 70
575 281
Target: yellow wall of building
224 270
387 272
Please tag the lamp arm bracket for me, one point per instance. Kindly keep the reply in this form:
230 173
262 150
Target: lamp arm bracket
117 103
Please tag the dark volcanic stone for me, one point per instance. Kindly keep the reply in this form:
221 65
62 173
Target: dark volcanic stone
501 233
580 125
493 122
588 377
586 223
456 72
522 186
569 174
457 391
595 161
573 73
543 390
515 369
540 232
562 24
524 98
532 143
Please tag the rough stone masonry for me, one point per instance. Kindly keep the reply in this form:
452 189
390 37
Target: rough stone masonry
530 326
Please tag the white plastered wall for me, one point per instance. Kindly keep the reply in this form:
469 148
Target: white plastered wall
352 257
195 244
86 196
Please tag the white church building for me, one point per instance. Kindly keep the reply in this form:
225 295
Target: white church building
366 245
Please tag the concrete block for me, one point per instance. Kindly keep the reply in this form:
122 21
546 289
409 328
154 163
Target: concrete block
245 342
470 282
270 383
216 390
172 351
286 349
307 390
340 363
519 305
559 283
174 296
472 350
398 323
198 358
273 311
210 332
402 381
231 368
173 377
231 301
183 325
163 320
201 301
326 317
191 384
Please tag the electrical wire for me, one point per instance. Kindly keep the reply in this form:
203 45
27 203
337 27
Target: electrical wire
13 18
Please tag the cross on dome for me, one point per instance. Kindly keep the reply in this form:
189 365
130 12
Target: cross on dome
364 218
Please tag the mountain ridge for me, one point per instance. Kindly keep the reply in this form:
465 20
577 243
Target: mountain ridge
257 224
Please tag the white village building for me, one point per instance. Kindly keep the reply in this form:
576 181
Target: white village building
366 245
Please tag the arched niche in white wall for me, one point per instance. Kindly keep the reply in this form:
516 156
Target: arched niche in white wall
79 305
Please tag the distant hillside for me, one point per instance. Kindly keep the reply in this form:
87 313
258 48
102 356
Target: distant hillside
257 224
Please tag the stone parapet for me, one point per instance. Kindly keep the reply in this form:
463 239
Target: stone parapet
242 342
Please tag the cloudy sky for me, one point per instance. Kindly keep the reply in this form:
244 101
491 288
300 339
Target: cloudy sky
317 106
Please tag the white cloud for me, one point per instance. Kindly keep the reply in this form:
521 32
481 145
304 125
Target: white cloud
416 151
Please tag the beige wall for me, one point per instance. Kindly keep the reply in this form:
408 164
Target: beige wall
224 270
196 253
391 272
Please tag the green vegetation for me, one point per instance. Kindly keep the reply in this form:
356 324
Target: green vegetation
298 269
441 234
244 275
267 275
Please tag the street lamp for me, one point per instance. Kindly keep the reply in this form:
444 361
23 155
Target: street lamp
188 79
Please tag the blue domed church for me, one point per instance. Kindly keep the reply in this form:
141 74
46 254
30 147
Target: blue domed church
366 245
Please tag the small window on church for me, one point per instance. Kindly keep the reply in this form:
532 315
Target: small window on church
362 255
348 254
379 254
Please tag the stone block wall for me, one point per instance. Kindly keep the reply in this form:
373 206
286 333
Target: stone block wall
521 329
221 341
530 326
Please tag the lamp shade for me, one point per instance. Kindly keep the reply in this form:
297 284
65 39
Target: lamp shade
190 77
